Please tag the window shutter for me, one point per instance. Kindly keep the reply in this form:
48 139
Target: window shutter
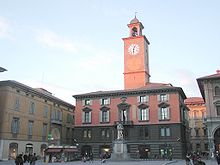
100 101
147 115
138 99
147 98
158 98
83 103
167 97
83 117
139 114
18 126
90 102
100 116
108 113
168 113
90 117
159 113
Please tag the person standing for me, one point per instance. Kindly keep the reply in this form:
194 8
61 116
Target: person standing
19 160
218 158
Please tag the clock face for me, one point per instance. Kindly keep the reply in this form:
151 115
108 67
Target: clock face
133 49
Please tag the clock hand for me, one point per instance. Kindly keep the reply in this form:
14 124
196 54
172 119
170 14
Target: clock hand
133 49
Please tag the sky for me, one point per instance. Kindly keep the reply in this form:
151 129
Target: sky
73 47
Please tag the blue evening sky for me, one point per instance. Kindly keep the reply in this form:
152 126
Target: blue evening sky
75 46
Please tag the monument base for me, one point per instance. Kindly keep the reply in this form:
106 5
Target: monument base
120 151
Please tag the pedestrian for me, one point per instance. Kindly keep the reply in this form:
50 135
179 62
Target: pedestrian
33 159
218 158
19 160
25 157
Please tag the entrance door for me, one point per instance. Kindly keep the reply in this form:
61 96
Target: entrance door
217 139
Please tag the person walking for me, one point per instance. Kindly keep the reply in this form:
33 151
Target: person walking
33 159
19 160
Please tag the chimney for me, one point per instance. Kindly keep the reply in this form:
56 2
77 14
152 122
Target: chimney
218 71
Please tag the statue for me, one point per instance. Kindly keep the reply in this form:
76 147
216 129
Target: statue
120 132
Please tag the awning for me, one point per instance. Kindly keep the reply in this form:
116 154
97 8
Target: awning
69 150
51 150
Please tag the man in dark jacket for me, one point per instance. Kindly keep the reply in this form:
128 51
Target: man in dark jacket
19 160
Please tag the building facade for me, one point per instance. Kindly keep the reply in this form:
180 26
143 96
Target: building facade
197 126
154 116
210 89
31 120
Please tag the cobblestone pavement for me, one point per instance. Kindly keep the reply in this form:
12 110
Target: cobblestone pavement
134 162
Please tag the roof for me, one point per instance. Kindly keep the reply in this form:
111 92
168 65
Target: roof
148 88
194 100
134 20
213 76
41 93
200 80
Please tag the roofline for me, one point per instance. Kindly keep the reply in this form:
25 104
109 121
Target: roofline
28 89
130 92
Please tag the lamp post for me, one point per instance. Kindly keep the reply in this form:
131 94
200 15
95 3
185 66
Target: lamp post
2 69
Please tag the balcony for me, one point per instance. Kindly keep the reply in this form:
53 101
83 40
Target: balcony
55 121
124 122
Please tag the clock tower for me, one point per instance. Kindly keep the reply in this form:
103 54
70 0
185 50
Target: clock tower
136 63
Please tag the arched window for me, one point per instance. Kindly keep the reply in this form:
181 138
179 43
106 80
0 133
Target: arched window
217 91
134 32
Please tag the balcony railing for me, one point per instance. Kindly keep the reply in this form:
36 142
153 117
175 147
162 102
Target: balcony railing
124 122
55 121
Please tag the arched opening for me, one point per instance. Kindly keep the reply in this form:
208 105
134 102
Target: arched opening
13 150
55 140
134 32
144 151
29 148
86 150
217 139
105 151
42 149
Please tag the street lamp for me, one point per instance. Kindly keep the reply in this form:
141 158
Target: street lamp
2 69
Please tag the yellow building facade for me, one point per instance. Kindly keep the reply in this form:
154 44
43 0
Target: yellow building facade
198 128
31 120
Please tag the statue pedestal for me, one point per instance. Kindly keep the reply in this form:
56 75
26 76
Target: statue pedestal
120 151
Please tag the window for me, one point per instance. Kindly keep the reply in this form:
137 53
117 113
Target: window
68 133
87 134
163 97
217 91
105 133
146 132
87 102
17 104
69 118
15 124
205 132
30 129
218 110
105 101
86 117
143 114
195 114
197 131
104 116
32 108
164 132
44 131
164 113
143 99
45 111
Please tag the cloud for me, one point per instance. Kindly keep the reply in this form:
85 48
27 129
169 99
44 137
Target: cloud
5 28
53 40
